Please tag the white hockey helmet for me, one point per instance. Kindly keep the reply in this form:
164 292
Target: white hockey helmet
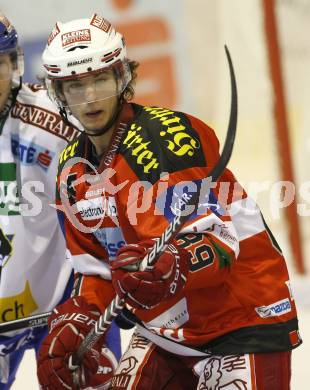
83 47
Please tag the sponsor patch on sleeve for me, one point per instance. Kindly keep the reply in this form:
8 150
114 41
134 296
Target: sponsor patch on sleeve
275 309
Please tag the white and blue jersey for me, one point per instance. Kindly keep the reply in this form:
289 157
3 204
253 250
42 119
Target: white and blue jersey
35 275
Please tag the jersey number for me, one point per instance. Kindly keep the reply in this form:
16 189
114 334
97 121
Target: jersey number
202 255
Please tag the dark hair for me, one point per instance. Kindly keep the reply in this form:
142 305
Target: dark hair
129 91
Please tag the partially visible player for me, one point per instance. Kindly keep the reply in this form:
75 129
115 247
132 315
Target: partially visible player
216 310
35 275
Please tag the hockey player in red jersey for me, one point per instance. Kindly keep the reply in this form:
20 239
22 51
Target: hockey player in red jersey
215 310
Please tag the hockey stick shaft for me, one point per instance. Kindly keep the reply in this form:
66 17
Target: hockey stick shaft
170 232
26 322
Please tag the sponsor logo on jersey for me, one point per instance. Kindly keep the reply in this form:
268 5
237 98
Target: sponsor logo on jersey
68 152
173 318
140 149
9 196
17 306
177 198
126 375
91 209
130 365
177 137
229 372
161 139
44 119
96 208
30 153
93 193
72 37
111 238
180 201
222 231
275 309
101 236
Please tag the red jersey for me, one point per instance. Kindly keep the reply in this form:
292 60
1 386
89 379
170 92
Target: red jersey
237 297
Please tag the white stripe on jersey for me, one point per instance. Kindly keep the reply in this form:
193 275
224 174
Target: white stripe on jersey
246 218
89 265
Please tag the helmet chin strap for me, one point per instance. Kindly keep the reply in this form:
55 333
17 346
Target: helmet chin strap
111 121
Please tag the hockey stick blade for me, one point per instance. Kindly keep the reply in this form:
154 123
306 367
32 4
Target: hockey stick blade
170 232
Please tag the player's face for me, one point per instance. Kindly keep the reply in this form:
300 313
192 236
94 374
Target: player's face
92 99
6 72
